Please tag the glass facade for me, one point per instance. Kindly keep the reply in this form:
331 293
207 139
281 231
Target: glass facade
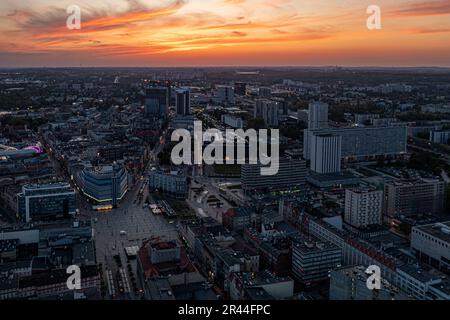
105 185
46 201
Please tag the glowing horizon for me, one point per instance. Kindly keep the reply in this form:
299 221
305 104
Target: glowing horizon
224 33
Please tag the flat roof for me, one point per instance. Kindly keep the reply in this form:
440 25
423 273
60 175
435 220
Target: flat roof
440 230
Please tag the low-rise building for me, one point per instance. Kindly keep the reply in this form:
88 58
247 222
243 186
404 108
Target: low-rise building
278 287
432 244
312 261
173 183
350 283
422 283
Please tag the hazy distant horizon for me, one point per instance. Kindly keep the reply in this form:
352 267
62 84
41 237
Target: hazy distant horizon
243 67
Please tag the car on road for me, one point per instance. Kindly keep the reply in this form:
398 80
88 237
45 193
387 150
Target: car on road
123 233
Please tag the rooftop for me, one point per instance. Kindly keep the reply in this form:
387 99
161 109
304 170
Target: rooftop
440 230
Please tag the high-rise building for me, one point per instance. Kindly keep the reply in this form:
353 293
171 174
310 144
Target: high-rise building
157 102
291 175
182 102
318 115
104 185
240 88
225 94
363 207
409 197
267 110
326 153
362 142
283 106
46 201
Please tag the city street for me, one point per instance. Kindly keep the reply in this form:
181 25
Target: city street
199 202
128 225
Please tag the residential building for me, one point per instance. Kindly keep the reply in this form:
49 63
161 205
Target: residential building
237 219
361 143
326 153
317 115
225 95
267 110
363 207
408 197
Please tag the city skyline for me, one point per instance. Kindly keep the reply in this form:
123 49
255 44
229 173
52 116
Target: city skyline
127 33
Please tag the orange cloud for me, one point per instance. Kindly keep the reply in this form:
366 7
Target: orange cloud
231 31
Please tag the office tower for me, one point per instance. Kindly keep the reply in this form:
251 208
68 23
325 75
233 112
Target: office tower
225 94
362 142
105 185
291 175
409 197
312 261
283 107
182 102
240 88
431 242
157 102
267 110
46 201
325 153
318 115
363 207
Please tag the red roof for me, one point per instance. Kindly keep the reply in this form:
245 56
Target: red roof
155 269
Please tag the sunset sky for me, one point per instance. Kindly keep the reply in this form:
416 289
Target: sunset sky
224 33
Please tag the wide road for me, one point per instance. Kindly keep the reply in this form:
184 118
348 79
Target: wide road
128 225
